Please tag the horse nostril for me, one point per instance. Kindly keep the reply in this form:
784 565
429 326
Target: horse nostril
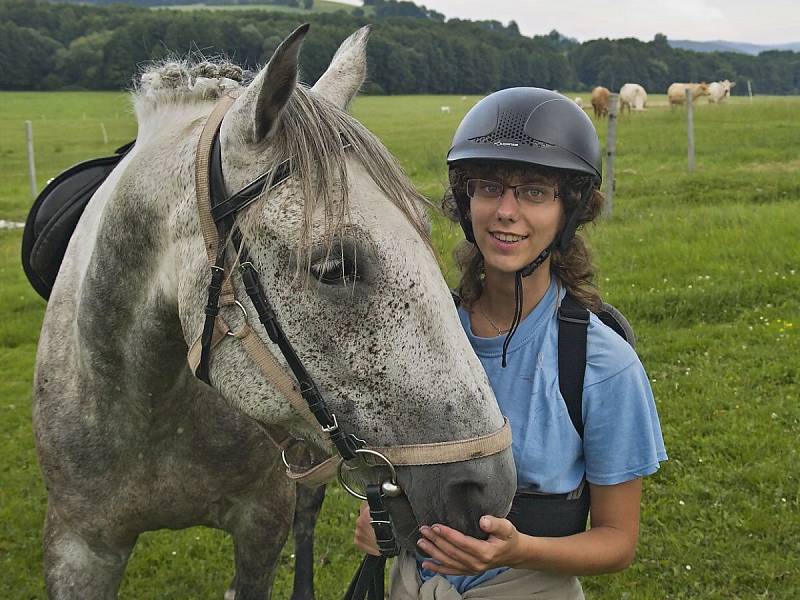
469 500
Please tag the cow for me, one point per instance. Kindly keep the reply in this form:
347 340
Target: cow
445 109
579 101
633 97
677 92
600 101
719 90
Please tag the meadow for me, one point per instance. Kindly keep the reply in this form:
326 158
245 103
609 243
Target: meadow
706 265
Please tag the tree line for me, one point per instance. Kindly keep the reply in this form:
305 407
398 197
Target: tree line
46 46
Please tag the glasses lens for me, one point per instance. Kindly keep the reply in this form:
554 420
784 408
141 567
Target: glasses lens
481 189
536 194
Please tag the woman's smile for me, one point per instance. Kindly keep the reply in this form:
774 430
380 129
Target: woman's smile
506 241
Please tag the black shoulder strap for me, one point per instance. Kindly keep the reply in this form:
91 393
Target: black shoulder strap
573 322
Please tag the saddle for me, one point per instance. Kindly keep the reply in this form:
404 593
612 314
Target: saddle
55 214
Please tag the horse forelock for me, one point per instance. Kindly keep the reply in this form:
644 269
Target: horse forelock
318 137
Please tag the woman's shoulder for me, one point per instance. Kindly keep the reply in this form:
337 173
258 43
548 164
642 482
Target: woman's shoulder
607 353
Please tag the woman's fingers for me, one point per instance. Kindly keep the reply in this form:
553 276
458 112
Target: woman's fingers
441 547
364 538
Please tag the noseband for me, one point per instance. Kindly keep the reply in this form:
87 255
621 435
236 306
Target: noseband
217 213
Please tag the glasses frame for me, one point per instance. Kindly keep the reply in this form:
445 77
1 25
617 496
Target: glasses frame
511 187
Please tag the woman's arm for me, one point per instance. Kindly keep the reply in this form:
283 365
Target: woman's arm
610 545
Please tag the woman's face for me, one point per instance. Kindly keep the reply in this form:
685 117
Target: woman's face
511 229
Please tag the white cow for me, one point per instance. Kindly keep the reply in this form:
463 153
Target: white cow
445 109
719 90
579 101
633 96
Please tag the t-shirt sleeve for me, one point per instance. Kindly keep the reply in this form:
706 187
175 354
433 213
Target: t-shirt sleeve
622 435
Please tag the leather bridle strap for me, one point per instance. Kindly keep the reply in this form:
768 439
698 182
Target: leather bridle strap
220 290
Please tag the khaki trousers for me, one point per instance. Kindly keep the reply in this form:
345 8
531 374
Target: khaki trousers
514 584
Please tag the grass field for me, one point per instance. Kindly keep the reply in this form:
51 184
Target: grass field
705 265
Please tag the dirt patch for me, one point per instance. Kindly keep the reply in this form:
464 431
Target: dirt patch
788 166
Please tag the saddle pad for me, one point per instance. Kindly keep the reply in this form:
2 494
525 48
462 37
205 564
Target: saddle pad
55 214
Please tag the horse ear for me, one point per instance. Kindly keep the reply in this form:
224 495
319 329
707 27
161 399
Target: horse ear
265 98
341 81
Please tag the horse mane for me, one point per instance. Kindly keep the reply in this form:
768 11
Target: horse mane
176 82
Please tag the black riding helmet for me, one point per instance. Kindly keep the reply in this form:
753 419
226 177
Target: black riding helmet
530 126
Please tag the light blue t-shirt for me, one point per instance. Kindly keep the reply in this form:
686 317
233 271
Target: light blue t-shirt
622 435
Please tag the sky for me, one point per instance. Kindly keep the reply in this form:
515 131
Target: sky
754 21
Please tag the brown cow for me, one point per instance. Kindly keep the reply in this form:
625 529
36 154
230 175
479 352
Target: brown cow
600 101
677 92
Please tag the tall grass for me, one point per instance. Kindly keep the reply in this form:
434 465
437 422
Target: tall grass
706 265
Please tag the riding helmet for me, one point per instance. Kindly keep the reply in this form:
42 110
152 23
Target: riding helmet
532 126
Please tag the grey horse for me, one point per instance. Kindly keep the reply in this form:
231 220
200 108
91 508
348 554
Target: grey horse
129 440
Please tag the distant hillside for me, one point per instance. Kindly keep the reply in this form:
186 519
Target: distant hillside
723 46
70 45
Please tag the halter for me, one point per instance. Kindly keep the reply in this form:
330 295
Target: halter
217 212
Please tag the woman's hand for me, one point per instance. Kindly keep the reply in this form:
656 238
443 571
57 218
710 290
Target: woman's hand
364 538
454 553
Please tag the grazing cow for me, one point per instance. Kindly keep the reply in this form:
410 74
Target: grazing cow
445 109
579 101
677 92
719 90
600 101
632 96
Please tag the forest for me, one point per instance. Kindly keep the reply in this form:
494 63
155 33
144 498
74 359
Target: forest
66 46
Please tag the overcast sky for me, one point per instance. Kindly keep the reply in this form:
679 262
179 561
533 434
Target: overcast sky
755 21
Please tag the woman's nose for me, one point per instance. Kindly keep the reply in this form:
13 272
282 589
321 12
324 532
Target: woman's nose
507 205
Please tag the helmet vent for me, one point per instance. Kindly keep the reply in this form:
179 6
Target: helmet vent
511 127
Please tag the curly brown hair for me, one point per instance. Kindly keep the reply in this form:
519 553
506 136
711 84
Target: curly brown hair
572 266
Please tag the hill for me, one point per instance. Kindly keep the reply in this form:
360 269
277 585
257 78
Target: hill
723 46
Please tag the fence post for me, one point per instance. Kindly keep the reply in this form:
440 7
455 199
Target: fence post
750 90
690 120
31 160
105 133
611 151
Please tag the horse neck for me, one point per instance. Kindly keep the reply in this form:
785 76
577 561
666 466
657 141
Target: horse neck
128 309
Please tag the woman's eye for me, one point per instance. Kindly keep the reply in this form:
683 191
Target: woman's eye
533 194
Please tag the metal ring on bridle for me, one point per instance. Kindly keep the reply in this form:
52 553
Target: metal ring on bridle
244 315
351 491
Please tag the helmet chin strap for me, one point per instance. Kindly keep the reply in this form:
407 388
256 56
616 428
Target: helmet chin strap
523 272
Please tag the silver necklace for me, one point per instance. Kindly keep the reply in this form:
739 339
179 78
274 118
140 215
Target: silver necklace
492 323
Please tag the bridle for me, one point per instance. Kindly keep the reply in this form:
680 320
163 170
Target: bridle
217 213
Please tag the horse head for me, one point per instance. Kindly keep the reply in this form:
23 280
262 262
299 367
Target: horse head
342 249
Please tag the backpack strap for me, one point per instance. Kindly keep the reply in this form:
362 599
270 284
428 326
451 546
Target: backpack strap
573 322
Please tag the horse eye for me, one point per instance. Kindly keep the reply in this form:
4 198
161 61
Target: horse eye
335 270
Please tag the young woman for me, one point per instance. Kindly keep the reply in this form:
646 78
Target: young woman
524 174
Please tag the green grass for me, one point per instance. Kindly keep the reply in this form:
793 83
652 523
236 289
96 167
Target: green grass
706 265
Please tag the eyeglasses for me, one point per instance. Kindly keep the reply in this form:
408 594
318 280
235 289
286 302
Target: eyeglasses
528 193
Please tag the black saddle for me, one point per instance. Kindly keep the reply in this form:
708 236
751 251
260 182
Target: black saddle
55 214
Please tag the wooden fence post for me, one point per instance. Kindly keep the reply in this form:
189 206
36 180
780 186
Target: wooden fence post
611 152
31 160
750 90
690 120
